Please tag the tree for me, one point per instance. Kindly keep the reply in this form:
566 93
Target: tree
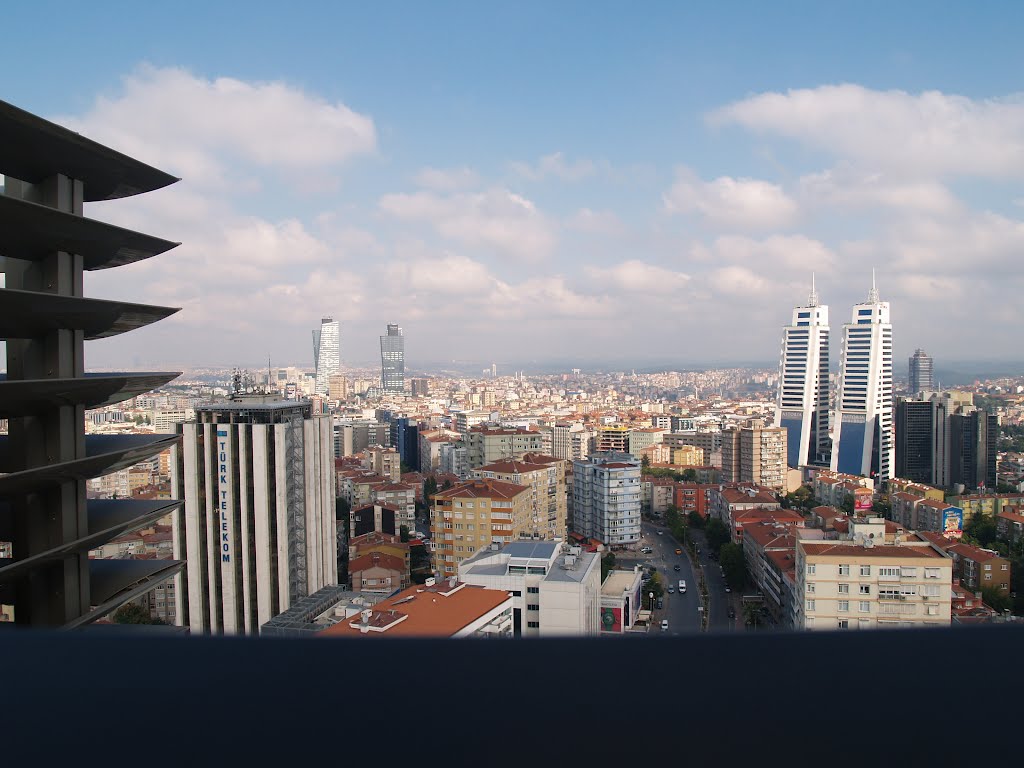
716 533
847 505
403 532
652 584
734 565
607 564
689 475
883 507
695 520
645 463
133 613
447 484
996 598
751 614
982 529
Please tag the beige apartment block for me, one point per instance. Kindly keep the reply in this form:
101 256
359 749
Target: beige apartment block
755 454
545 477
861 584
470 516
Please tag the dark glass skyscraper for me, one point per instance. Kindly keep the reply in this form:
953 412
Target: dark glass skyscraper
392 360
915 440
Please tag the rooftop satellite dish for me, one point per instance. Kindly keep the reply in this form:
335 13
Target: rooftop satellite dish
869 543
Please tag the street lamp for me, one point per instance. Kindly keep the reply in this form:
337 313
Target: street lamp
651 596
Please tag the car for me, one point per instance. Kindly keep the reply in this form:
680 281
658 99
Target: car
727 589
676 567
646 550
664 625
660 604
660 532
732 613
679 551
682 585
671 590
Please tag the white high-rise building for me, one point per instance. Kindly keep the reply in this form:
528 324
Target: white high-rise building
802 405
606 498
326 354
258 527
862 441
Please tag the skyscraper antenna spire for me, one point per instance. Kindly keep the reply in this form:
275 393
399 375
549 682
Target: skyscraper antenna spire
813 300
873 294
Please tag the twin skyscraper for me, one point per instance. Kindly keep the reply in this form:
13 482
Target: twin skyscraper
327 356
860 419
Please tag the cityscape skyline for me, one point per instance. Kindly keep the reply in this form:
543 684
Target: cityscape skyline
432 192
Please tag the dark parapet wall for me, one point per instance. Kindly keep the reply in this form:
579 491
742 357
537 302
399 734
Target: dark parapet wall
46 244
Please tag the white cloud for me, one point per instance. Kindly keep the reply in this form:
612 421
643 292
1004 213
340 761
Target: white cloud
742 282
929 133
731 203
846 189
447 179
555 165
595 222
636 276
789 254
496 217
196 128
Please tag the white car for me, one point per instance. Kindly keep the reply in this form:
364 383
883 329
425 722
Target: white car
664 625
682 585
659 533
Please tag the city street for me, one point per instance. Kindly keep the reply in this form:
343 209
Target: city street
680 609
720 599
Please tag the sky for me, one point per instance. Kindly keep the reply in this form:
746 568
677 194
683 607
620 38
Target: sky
547 183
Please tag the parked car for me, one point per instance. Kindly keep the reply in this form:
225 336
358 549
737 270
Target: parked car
671 590
676 567
664 625
682 585
660 604
679 551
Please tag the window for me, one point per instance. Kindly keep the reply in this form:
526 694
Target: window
889 571
844 605
810 587
809 621
988 577
933 610
1004 567
533 624
844 570
811 569
865 570
531 607
533 590
844 589
988 567
844 623
909 573
931 573
810 605
865 606
865 589
516 593
931 590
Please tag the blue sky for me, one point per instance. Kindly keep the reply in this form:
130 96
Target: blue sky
548 181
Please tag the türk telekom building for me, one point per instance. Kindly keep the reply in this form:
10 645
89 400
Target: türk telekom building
258 526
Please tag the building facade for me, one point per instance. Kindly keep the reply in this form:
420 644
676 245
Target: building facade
915 440
607 499
545 477
863 433
803 399
392 360
920 372
326 354
258 526
754 453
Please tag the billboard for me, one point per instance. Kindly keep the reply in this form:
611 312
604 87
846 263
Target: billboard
862 499
611 619
953 522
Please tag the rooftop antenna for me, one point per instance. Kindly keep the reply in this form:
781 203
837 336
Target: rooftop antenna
812 301
873 294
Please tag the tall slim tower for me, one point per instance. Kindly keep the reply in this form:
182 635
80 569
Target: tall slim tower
920 372
802 406
326 353
863 440
392 359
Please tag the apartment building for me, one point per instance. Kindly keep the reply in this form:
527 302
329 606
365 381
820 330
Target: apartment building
613 437
556 589
485 445
974 567
755 454
383 461
710 444
869 583
644 437
990 504
545 477
607 499
468 517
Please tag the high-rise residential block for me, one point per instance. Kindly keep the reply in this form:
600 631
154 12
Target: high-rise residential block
47 244
607 499
921 377
337 387
862 442
392 360
613 437
470 516
754 453
488 444
326 353
258 528
545 477
803 398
